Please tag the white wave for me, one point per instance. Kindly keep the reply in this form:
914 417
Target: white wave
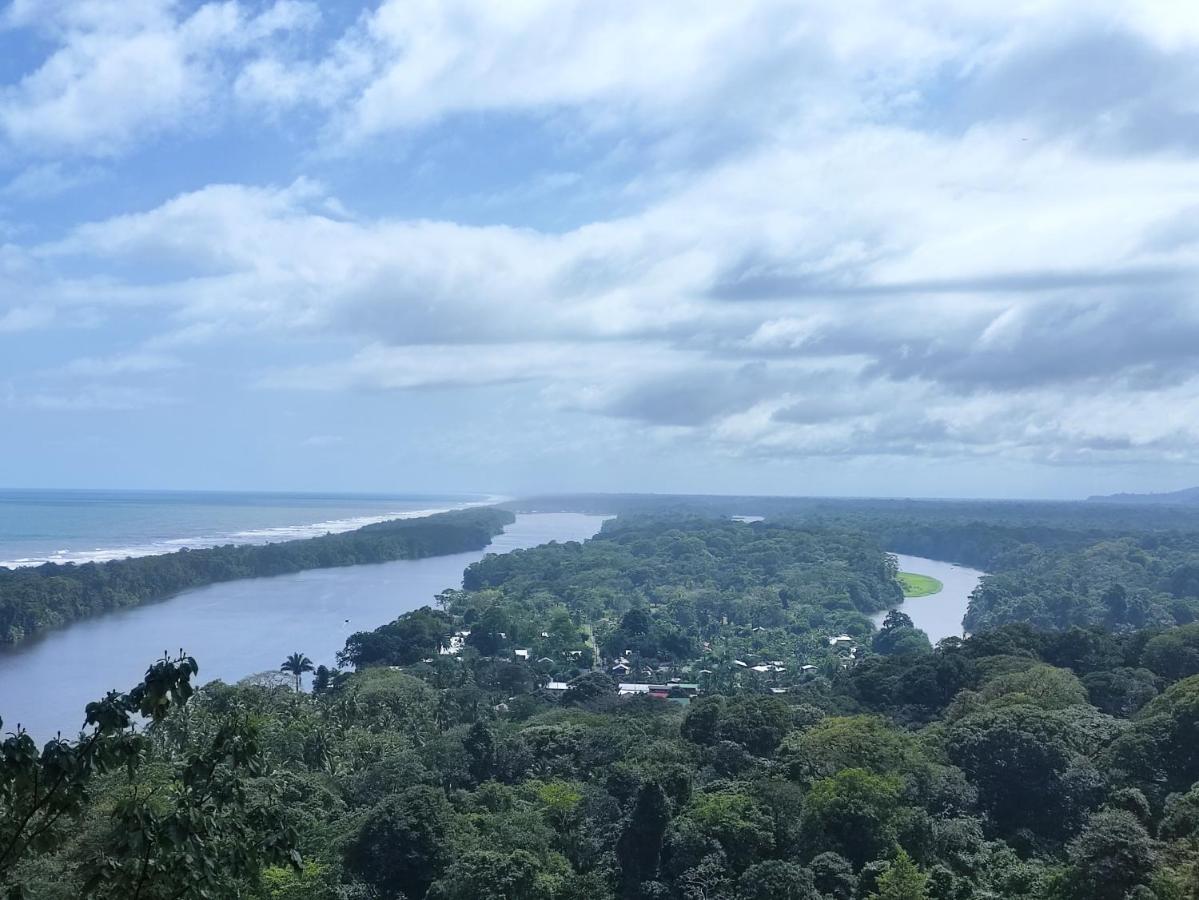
252 536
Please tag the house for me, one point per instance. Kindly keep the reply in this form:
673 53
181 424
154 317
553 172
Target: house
620 669
657 691
556 687
841 640
806 669
455 644
521 654
741 664
545 659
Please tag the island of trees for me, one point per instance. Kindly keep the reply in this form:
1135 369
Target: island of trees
683 708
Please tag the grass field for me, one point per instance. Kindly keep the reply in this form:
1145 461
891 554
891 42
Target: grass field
919 585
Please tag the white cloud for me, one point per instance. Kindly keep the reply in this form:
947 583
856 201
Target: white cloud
88 398
44 180
25 318
122 72
121 364
904 244
943 275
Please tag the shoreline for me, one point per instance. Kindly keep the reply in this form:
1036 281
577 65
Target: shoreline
254 537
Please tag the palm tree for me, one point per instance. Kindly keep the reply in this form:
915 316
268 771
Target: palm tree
297 664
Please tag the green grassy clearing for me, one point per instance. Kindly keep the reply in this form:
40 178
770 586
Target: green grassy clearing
919 585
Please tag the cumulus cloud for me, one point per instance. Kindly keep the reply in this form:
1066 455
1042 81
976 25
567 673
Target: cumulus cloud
931 228
952 279
124 71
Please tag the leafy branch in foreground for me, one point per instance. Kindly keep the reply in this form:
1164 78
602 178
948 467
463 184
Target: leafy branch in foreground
187 824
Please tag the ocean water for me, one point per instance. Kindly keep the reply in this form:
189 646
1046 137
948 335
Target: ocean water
38 526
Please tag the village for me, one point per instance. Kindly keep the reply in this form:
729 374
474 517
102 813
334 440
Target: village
634 676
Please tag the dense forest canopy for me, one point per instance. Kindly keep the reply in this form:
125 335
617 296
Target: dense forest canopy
500 746
1052 564
48 596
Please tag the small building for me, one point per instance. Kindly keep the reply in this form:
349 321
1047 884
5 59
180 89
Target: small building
841 640
521 654
620 669
455 644
556 687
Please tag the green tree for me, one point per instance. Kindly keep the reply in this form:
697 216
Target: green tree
480 747
776 880
902 881
38 789
491 875
588 688
640 843
323 679
833 875
844 742
737 822
899 636
1112 855
853 814
1025 764
404 843
312 882
296 664
192 816
200 826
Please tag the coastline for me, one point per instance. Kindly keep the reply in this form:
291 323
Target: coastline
43 598
252 537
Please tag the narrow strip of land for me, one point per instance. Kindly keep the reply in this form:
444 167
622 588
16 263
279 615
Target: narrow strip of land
37 599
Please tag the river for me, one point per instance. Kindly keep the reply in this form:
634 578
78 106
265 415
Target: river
939 615
238 628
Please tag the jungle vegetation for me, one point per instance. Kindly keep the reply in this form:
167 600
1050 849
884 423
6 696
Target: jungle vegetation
1026 762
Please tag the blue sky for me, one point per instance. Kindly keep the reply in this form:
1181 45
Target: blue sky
930 248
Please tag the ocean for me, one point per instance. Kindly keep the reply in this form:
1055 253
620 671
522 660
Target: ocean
39 526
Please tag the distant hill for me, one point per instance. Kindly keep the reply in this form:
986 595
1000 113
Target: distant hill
1185 497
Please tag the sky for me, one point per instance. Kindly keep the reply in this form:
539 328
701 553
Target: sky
930 248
